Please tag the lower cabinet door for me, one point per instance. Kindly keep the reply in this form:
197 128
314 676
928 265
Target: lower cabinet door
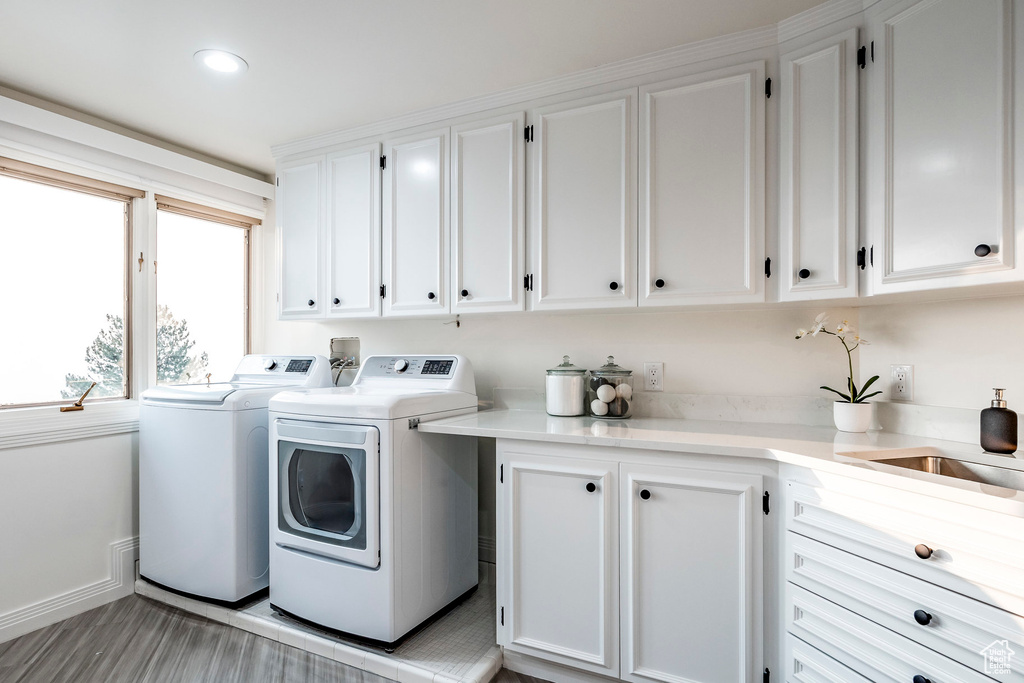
691 586
558 560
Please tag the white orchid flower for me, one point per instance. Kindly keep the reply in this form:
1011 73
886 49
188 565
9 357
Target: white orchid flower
801 333
860 340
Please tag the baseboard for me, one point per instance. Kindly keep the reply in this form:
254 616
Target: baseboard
487 550
120 584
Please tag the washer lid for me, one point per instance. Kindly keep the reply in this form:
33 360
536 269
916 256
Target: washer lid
380 403
192 393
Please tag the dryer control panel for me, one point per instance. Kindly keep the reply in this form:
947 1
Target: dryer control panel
425 367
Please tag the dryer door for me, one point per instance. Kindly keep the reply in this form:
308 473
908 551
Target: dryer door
328 490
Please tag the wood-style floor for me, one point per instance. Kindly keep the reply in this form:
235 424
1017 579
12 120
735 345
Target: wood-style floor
135 640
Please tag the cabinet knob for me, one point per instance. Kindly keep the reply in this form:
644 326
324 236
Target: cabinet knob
921 679
311 303
922 617
465 293
923 551
337 301
804 274
659 283
982 250
613 286
431 296
645 494
591 487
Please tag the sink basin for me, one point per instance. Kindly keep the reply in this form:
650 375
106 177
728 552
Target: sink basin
961 469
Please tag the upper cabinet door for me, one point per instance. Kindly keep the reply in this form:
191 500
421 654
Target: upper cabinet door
702 188
488 206
941 144
415 225
352 236
691 575
818 170
583 203
299 208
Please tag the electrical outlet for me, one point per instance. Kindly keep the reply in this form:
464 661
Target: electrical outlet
653 373
901 388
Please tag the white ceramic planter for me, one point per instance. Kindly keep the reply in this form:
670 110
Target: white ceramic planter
852 417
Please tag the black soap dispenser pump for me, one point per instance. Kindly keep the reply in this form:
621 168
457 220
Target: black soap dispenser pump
999 427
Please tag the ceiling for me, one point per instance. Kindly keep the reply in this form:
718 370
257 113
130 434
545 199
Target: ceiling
322 65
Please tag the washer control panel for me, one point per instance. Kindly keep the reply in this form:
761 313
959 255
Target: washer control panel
425 367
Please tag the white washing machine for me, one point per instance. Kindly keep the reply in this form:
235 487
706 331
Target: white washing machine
373 524
203 490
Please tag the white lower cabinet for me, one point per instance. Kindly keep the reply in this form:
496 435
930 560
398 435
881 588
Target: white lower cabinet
558 560
634 571
691 574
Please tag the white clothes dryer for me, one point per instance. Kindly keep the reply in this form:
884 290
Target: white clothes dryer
203 490
373 524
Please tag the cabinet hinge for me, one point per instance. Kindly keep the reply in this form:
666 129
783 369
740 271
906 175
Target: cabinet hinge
765 500
383 291
862 56
768 88
767 678
501 474
279 182
871 256
768 267
384 162
502 616
872 52
528 133
862 258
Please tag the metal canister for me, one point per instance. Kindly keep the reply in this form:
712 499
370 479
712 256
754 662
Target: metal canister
566 389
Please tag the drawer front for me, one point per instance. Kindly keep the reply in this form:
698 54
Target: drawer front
956 626
974 552
869 649
805 664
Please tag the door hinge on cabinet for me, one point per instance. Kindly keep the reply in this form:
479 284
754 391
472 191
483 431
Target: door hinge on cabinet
502 616
765 502
862 258
768 267
768 88
871 256
767 678
384 162
501 474
383 291
279 182
862 56
528 133
872 52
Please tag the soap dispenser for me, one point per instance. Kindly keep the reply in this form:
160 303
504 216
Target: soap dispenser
999 427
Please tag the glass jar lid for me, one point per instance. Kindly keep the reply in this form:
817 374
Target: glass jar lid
610 369
567 368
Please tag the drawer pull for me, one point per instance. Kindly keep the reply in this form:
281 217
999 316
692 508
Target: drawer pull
923 551
921 679
922 617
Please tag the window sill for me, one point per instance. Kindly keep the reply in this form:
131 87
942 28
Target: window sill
21 427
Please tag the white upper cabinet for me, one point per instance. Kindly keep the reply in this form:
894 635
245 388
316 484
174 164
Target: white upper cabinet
818 170
702 186
415 225
299 207
941 144
691 553
352 233
488 215
583 203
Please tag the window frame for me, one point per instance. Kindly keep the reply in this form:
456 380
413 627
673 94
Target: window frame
42 175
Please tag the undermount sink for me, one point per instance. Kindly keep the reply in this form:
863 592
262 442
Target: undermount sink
961 469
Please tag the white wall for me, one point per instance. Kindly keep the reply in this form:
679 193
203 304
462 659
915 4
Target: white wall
69 514
959 349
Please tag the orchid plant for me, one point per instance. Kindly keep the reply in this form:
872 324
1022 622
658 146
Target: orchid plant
850 340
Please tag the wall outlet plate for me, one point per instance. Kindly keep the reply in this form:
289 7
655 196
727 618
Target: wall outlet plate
901 386
653 374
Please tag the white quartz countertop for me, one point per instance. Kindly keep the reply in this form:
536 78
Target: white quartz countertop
822 448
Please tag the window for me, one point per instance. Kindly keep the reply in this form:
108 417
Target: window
202 291
64 286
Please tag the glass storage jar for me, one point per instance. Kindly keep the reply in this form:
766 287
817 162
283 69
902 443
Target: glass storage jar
566 389
610 391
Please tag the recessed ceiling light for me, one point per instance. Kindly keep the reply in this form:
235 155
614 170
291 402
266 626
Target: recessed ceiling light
221 61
